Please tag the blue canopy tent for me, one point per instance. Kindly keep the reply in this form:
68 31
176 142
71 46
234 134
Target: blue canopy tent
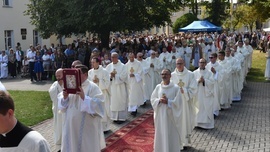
200 26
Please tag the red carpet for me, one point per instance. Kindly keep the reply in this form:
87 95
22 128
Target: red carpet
137 136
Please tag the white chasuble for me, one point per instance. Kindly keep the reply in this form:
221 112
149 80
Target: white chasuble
82 130
167 118
135 84
204 99
104 83
118 90
189 109
54 90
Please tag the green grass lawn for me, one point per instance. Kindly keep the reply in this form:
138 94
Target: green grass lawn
32 107
256 73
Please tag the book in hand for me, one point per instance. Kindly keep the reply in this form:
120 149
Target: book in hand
72 80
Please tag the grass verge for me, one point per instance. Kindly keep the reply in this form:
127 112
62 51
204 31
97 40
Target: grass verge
32 107
256 74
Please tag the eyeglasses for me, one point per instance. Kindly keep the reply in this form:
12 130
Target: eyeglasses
201 62
164 74
179 63
139 56
211 57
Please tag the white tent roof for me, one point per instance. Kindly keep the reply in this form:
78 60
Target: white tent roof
266 29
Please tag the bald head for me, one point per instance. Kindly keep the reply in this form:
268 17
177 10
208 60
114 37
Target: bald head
180 64
75 63
114 57
59 75
139 56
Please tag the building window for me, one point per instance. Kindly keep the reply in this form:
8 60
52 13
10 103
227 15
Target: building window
36 39
23 33
7 3
8 39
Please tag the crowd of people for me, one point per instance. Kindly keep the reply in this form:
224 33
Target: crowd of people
187 79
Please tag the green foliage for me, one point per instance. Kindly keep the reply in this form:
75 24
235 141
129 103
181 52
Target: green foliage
65 17
32 107
183 21
217 11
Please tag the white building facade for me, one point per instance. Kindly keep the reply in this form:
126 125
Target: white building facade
15 26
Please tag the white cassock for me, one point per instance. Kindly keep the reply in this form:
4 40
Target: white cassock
180 52
238 77
134 84
147 80
187 56
218 85
167 118
189 110
54 90
118 90
203 49
82 130
209 49
4 66
204 99
154 72
173 62
236 67
267 66
249 57
226 96
165 59
245 54
103 84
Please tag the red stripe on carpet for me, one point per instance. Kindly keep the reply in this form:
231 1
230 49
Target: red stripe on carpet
137 136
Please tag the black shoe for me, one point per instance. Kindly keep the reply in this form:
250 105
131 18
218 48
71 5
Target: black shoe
105 132
144 104
134 113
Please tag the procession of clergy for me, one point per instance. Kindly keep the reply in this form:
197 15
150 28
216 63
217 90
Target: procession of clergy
181 99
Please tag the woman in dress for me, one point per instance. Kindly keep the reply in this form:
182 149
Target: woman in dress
38 68
267 68
59 59
12 63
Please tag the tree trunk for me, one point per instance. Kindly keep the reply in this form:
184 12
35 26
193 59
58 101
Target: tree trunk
105 39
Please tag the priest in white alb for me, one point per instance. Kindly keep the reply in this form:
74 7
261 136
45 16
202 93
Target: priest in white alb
101 78
188 88
167 104
134 84
217 72
118 89
187 53
165 58
55 89
147 79
226 96
204 98
238 78
155 70
82 129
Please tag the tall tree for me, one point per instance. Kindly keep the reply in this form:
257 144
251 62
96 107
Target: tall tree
65 17
217 11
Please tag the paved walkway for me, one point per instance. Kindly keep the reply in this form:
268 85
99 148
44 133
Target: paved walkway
244 127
